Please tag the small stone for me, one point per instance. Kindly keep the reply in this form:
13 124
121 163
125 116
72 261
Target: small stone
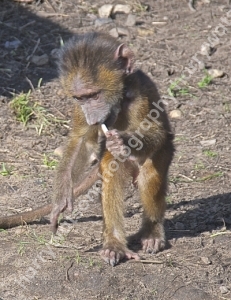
105 10
40 60
208 143
12 45
214 73
122 8
201 65
145 32
102 21
206 49
136 205
175 114
113 32
119 31
179 226
122 31
223 289
59 151
206 260
131 20
91 16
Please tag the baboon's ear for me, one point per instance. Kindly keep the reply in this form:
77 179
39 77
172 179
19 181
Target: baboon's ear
126 56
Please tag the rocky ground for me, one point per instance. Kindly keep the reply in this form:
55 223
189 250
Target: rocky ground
170 39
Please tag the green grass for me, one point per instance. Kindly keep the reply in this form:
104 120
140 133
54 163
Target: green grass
6 171
168 200
169 262
44 119
91 262
140 7
39 82
205 81
211 176
199 166
180 138
175 90
93 10
22 108
175 179
39 238
226 107
210 153
21 247
49 163
77 258
26 111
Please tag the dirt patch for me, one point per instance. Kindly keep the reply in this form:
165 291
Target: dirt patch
167 39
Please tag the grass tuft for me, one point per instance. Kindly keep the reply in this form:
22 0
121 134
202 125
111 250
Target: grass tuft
205 81
22 108
49 163
5 171
26 110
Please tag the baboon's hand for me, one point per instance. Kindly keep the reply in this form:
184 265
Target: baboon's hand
115 143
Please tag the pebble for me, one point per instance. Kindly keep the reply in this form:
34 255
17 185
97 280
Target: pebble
102 21
122 8
179 226
131 20
40 60
136 205
59 151
113 32
206 49
206 260
175 114
223 289
208 143
119 31
122 31
214 73
201 65
105 10
12 45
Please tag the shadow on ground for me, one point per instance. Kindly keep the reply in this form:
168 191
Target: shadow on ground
199 215
35 35
192 218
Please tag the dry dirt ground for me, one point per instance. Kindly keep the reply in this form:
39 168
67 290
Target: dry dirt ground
166 37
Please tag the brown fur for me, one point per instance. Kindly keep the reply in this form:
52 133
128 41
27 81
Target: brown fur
98 78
